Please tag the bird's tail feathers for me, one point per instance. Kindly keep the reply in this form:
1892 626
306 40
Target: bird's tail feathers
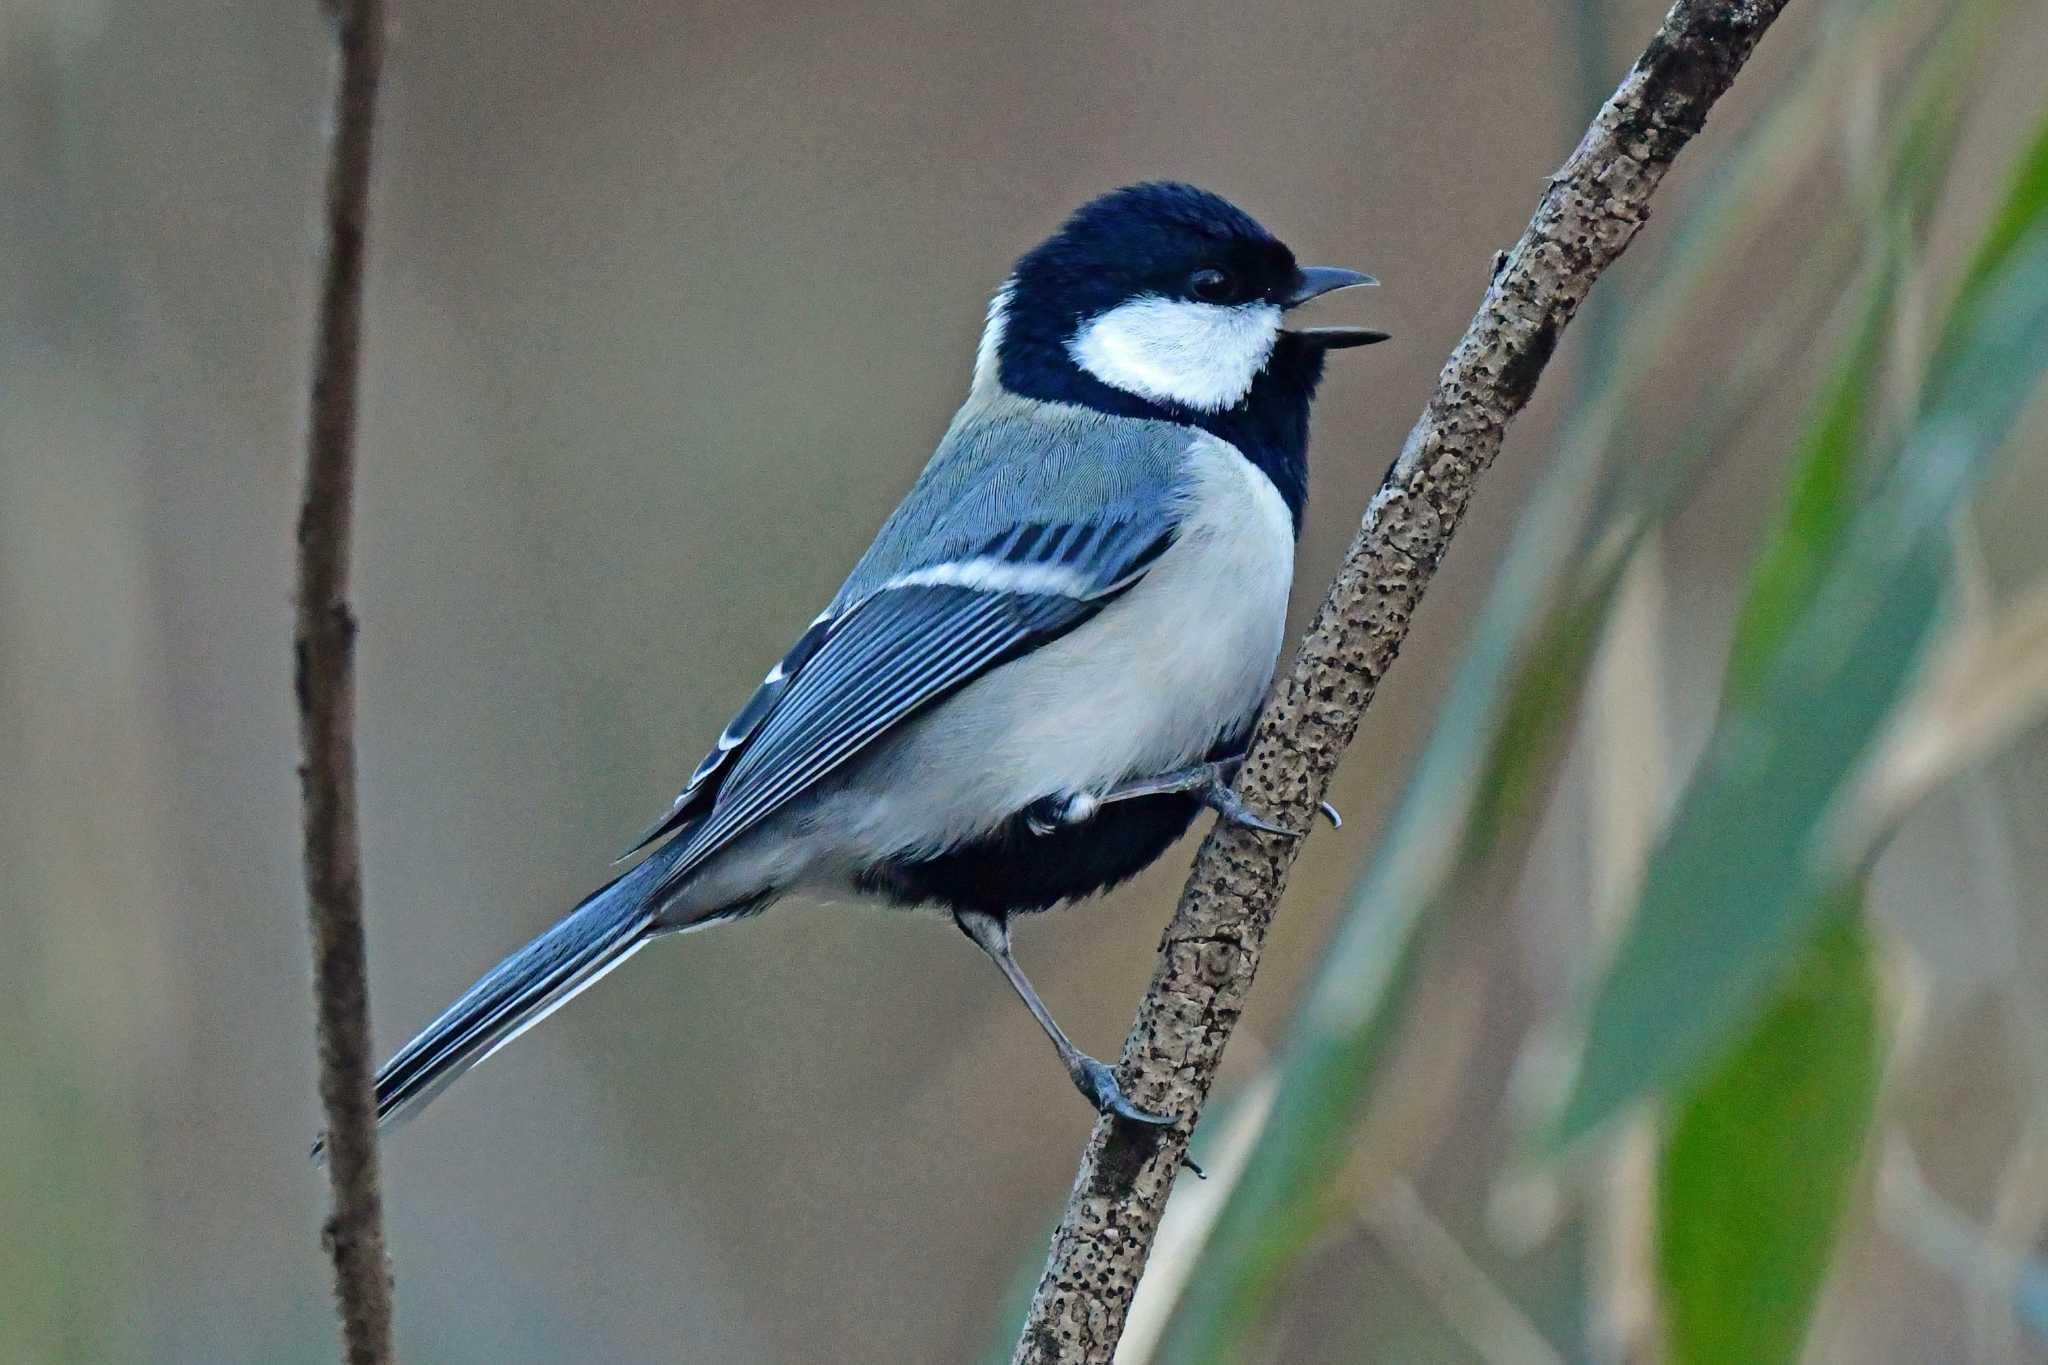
611 924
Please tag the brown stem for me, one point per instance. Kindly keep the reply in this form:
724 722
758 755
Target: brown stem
1590 212
324 681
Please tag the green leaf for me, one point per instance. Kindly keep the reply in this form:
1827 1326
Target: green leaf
1932 111
1762 1155
1724 903
1818 506
2024 209
1757 1164
1730 892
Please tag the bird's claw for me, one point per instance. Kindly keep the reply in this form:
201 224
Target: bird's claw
1230 806
1222 798
1098 1083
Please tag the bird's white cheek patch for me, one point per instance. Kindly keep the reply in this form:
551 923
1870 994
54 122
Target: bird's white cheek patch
1200 355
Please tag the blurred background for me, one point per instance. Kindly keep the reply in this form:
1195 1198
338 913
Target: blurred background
668 305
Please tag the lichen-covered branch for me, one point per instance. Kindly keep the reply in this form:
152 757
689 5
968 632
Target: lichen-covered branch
324 682
1591 211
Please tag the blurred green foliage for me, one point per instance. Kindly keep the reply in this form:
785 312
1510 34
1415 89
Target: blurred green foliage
1760 1153
1756 1168
1744 987
1469 810
1746 858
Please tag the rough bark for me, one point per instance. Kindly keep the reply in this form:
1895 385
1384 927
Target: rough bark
1591 210
324 683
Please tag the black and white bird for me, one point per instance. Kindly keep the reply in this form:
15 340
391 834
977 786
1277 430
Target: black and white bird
1044 666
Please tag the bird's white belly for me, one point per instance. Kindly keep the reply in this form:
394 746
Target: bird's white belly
1149 684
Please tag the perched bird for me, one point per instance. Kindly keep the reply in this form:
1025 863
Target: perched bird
1049 659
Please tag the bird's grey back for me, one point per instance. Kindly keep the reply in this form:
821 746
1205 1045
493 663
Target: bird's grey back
1007 461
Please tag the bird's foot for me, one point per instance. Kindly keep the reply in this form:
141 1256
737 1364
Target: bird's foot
1210 783
1230 807
1097 1083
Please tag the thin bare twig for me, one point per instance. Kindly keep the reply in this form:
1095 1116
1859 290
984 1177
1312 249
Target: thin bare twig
1466 1297
324 682
1593 208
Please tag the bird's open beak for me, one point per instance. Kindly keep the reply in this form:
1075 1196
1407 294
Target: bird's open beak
1314 281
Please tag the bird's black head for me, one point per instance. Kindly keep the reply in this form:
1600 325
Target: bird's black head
1163 300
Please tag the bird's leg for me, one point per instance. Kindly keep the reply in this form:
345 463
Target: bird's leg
1095 1081
1211 783
1048 813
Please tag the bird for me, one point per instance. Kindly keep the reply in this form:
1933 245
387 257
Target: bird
1048 662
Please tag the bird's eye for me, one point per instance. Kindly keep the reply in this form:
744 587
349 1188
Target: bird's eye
1211 286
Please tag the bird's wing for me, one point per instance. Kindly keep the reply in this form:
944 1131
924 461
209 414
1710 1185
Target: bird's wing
876 660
